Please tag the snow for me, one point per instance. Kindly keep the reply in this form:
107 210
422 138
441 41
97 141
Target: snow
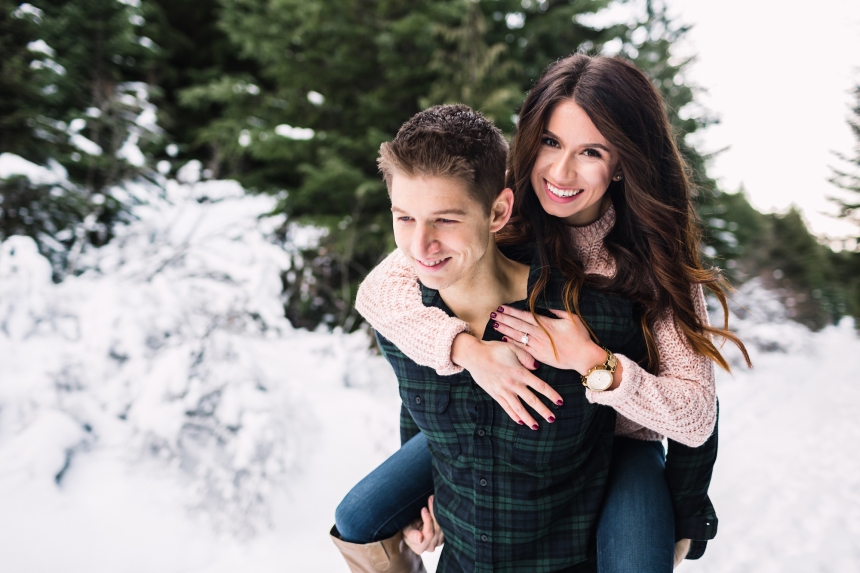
297 133
12 165
158 412
41 46
88 146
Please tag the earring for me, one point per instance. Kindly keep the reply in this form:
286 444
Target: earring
617 178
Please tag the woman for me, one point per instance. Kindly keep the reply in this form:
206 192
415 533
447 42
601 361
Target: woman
601 189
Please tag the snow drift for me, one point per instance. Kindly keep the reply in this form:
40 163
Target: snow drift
171 344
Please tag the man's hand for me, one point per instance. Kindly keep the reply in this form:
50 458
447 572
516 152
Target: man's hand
682 547
498 368
424 534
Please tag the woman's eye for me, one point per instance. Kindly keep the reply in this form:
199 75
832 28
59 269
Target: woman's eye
592 153
548 141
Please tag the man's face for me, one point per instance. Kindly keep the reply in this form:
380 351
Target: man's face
440 228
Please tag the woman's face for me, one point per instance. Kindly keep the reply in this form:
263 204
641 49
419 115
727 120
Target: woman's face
574 167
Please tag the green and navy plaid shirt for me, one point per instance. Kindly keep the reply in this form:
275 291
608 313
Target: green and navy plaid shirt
513 499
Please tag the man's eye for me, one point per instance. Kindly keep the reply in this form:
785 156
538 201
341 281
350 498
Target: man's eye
446 221
404 218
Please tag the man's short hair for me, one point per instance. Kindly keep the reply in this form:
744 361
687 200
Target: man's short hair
449 141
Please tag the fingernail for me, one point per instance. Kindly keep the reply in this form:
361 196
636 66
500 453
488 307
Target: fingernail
551 419
500 309
504 339
495 325
560 402
537 364
521 423
535 427
492 315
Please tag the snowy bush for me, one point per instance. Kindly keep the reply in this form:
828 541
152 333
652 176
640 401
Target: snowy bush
172 343
761 320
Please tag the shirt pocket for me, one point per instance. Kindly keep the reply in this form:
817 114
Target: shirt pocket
429 405
559 443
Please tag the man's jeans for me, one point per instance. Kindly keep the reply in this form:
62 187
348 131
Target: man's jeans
635 531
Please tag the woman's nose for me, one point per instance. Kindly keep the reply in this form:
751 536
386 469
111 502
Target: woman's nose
564 169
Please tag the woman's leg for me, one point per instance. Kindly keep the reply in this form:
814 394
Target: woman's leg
636 526
390 497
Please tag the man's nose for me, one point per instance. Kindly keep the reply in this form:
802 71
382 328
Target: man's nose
424 242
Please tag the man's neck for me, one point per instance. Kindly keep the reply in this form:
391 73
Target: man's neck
495 280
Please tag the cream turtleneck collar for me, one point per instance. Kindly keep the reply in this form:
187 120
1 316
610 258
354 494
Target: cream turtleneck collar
588 243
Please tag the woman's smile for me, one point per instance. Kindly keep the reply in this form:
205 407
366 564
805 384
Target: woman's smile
561 194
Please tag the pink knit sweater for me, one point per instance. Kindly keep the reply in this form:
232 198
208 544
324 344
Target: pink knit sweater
679 402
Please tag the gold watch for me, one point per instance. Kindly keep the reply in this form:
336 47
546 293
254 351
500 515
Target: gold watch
600 377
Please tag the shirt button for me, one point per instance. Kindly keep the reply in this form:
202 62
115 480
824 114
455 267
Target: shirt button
484 538
417 399
481 433
483 482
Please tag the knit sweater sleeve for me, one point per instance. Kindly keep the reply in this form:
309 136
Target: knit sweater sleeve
390 300
680 401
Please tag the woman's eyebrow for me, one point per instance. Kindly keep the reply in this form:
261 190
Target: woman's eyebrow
548 133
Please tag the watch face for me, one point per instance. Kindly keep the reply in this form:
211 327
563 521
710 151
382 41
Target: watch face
600 380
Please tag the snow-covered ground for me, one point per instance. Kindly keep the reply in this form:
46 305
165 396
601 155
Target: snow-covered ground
158 413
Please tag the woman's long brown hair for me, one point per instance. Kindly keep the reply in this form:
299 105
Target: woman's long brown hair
656 236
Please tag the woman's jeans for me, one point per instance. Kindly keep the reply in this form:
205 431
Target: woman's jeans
635 530
636 526
390 497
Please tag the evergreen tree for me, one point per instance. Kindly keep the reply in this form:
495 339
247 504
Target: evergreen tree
848 179
82 107
326 82
26 69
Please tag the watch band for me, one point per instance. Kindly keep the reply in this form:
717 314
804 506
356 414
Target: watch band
611 364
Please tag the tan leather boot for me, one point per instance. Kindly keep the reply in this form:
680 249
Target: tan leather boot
390 555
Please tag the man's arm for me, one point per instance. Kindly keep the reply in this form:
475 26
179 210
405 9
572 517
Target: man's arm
688 473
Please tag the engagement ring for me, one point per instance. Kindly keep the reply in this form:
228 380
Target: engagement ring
525 339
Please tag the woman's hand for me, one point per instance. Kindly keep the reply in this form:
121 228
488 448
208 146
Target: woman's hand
576 350
424 534
498 368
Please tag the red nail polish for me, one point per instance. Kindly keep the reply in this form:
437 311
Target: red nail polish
504 339
560 402
521 423
535 427
537 364
551 419
495 325
492 315
500 309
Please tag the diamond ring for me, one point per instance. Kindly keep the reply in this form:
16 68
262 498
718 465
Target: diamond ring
525 339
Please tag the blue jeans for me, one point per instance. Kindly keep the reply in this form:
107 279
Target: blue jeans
390 497
635 530
636 526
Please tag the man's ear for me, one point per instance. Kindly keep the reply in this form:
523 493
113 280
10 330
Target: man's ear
501 210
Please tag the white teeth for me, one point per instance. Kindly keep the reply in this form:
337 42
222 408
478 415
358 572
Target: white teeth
559 193
431 263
